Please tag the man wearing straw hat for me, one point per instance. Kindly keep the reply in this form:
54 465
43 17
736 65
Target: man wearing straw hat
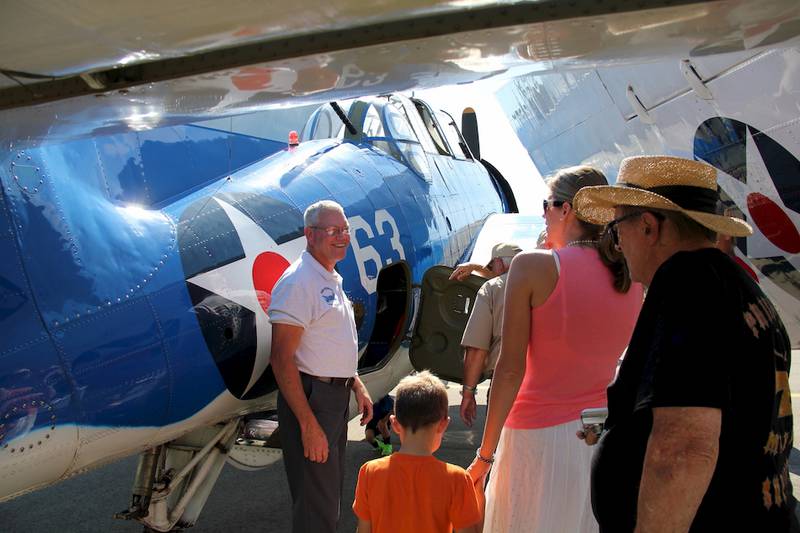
700 419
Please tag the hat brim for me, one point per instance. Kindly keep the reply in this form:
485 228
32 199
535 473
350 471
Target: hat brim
596 205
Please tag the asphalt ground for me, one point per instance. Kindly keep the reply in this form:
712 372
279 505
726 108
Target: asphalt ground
243 501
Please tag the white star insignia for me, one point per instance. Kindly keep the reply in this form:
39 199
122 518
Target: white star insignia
234 281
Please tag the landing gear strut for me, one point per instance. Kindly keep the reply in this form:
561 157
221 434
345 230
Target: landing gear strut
173 481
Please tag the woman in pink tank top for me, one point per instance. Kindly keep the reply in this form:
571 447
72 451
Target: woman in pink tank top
569 314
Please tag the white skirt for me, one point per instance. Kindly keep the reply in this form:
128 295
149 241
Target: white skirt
540 482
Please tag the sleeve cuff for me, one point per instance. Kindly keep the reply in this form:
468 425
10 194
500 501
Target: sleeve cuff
280 317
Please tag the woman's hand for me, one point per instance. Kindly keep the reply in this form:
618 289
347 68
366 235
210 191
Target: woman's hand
478 470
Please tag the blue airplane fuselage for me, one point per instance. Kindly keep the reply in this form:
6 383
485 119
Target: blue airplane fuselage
136 271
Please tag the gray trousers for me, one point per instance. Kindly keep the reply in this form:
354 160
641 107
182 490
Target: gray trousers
316 488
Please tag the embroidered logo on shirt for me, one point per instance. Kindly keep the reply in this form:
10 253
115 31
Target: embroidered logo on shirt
328 296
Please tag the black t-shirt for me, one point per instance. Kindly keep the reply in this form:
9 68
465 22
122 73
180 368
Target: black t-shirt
706 337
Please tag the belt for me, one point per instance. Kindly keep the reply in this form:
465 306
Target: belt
342 382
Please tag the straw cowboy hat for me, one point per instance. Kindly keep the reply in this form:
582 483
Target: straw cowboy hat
661 182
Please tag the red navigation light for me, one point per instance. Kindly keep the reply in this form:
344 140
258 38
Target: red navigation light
294 139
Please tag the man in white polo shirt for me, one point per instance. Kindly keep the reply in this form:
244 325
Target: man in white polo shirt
314 358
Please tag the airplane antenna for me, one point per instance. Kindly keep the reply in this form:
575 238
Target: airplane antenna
343 117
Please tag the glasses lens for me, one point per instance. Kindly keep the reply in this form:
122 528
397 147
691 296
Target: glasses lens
332 231
544 205
612 226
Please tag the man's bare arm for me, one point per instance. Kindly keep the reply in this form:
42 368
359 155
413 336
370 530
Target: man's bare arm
464 270
363 400
680 460
474 364
285 340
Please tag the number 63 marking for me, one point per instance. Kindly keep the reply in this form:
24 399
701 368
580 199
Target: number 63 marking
368 253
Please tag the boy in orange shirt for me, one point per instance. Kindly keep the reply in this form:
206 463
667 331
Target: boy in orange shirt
412 491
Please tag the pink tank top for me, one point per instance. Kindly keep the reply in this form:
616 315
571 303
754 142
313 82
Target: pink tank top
577 336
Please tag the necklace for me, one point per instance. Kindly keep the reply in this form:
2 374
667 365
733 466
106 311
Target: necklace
582 243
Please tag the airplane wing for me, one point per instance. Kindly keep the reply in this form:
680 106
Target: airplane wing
522 230
81 68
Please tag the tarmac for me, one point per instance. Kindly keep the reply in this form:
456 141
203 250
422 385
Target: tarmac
242 501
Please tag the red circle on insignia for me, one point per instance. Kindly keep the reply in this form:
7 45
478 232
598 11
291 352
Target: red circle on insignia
776 225
267 268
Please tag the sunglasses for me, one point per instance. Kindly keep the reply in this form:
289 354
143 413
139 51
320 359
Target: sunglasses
611 227
331 231
551 203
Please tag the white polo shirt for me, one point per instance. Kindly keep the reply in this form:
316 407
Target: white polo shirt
309 296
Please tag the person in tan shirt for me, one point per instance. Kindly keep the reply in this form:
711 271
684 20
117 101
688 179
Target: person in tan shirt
481 339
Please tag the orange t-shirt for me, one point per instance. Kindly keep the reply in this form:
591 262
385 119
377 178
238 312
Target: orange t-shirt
415 494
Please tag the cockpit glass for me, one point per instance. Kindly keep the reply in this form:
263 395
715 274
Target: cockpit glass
454 138
398 122
433 130
373 127
323 124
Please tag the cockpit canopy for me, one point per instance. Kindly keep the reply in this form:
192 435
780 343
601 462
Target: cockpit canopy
404 128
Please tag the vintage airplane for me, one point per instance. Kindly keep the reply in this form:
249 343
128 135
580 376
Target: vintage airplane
139 252
733 107
137 271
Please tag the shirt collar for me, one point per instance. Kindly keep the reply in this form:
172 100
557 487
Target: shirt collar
316 265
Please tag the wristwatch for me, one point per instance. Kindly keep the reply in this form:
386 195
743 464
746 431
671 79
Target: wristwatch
467 388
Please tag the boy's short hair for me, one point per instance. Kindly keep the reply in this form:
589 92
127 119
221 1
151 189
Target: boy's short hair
421 400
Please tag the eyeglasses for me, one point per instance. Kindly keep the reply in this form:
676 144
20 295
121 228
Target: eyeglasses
331 231
611 227
551 203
